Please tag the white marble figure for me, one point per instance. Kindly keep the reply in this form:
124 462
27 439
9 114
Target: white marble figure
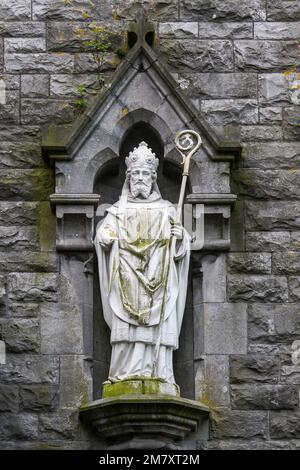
133 247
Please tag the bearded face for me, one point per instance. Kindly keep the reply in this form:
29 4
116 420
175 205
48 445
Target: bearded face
141 182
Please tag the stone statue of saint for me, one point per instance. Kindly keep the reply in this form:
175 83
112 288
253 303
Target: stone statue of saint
143 296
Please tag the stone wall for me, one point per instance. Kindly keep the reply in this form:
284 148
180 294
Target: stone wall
237 61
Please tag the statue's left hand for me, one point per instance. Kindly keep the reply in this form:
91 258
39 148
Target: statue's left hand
177 230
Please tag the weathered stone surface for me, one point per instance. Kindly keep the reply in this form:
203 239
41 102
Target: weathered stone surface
18 213
294 288
270 114
251 288
17 238
259 368
35 86
295 241
40 111
59 425
224 30
24 45
267 241
75 10
274 88
219 85
255 263
224 328
32 287
66 85
38 397
248 444
178 30
22 29
286 263
291 128
2 295
9 112
74 36
162 10
9 398
75 389
198 56
20 335
239 424
258 133
280 30
268 184
268 397
212 381
21 261
23 310
222 112
26 184
18 426
273 324
255 10
39 62
30 369
265 55
61 329
14 155
272 215
290 375
285 424
15 9
84 63
271 155
281 11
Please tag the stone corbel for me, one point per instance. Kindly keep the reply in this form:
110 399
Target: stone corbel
75 220
218 206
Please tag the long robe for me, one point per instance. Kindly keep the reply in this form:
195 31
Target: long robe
132 275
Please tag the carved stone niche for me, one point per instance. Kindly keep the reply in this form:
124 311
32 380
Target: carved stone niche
142 103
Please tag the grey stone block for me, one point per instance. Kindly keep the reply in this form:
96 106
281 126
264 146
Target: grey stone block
15 10
18 213
66 85
264 55
239 424
220 85
215 10
199 56
61 425
258 368
41 111
28 262
268 184
259 132
39 397
225 328
39 62
25 45
285 425
267 241
283 11
55 10
251 288
281 30
76 387
32 287
234 30
2 295
23 310
84 62
9 398
16 184
222 112
9 112
271 155
22 29
20 335
247 444
291 128
30 369
268 397
178 30
166 10
272 324
294 288
255 263
272 215
17 238
286 263
18 426
290 375
270 114
35 86
274 88
212 381
295 241
214 279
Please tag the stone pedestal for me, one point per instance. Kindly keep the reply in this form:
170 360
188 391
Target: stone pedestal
144 421
140 386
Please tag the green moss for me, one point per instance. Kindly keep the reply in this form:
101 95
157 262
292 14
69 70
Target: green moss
140 386
46 227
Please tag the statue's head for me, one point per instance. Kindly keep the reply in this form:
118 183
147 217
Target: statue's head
141 170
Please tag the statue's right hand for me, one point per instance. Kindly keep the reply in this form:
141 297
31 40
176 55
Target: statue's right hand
108 236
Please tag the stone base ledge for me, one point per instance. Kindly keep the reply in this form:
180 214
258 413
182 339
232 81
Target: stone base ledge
140 386
156 421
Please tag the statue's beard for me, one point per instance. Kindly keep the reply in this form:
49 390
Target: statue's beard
140 189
